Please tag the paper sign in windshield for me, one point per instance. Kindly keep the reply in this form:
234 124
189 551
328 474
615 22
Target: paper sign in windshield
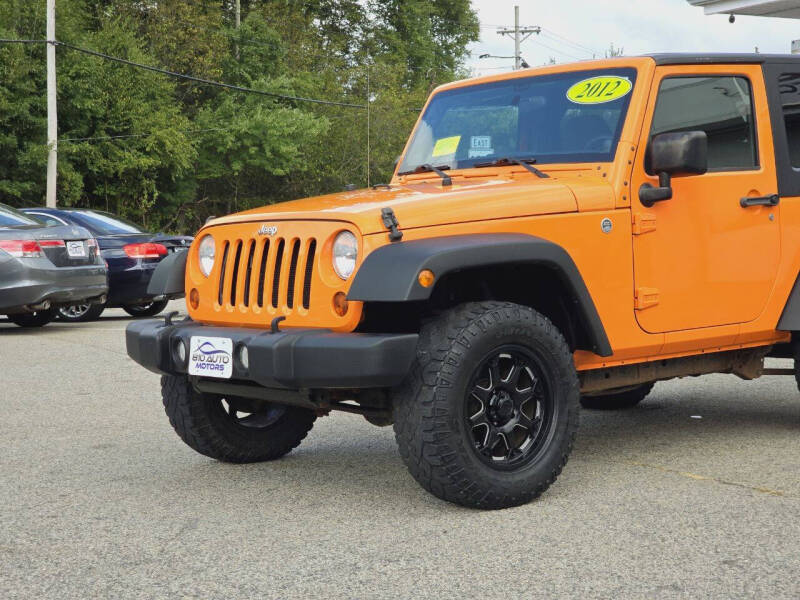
445 146
598 90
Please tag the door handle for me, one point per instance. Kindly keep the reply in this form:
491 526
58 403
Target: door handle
771 200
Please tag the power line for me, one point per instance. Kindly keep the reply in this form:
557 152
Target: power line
553 34
229 86
220 84
557 50
23 41
133 135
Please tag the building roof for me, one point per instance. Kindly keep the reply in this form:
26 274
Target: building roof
789 9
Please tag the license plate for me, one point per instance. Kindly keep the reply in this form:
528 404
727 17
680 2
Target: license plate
211 357
76 250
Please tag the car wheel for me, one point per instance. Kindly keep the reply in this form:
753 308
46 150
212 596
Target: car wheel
34 319
489 413
79 313
233 429
148 309
617 399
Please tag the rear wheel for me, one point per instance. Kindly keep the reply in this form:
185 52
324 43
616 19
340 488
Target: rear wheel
488 415
233 429
148 309
79 313
617 399
34 319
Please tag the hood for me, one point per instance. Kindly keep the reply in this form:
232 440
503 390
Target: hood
427 203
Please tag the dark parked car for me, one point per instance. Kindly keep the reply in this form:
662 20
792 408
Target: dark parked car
131 253
43 268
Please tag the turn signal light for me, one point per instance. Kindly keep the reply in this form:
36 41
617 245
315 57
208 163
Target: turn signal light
194 298
145 250
340 305
426 278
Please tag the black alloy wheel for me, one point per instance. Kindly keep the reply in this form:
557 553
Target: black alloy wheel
509 408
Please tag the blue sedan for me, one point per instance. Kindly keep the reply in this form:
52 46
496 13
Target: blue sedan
132 255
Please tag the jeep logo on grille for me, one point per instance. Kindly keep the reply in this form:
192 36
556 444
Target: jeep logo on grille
268 230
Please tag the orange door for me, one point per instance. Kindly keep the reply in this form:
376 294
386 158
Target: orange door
702 259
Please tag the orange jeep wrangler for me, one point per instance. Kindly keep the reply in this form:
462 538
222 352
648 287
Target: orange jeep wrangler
551 237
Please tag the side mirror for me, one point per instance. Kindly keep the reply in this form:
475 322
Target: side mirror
673 154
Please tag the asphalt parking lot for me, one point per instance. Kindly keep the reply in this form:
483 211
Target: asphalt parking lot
100 499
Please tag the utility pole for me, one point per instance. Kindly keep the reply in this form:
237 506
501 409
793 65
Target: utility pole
520 35
238 22
52 114
369 124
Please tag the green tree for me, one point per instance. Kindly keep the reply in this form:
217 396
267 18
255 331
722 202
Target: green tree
169 151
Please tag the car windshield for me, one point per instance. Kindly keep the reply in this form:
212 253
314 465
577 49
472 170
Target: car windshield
13 218
103 223
562 118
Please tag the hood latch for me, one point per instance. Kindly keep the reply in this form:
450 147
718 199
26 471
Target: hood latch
391 223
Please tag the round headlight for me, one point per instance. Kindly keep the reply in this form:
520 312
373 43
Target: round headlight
345 253
206 253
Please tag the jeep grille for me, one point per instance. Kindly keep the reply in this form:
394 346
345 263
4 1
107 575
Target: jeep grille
273 271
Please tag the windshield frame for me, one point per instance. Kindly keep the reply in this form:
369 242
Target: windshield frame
575 75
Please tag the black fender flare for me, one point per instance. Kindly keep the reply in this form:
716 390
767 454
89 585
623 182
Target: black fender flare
389 274
169 278
790 317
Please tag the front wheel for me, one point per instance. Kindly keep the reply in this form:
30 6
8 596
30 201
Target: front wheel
489 413
80 313
148 309
233 429
39 318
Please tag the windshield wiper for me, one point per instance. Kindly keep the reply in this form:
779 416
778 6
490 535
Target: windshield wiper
427 168
523 162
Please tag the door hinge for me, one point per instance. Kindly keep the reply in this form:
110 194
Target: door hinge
645 298
643 223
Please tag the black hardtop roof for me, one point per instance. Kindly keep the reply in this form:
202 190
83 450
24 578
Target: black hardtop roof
679 58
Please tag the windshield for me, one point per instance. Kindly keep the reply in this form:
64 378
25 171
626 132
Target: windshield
103 223
13 218
562 118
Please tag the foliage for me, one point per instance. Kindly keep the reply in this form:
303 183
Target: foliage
170 152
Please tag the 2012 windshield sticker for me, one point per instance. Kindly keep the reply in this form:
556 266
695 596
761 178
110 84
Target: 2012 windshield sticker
211 357
599 90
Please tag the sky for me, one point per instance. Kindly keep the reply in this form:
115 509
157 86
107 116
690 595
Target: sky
575 29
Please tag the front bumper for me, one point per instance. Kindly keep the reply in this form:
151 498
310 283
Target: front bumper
293 359
27 282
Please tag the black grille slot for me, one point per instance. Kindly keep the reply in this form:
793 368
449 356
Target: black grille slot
293 273
262 271
276 276
249 272
222 272
312 248
235 272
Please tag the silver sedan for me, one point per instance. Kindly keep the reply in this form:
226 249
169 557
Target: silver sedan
43 268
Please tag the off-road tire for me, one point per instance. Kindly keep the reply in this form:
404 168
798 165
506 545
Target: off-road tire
92 314
145 310
431 404
617 400
203 424
39 318
796 356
